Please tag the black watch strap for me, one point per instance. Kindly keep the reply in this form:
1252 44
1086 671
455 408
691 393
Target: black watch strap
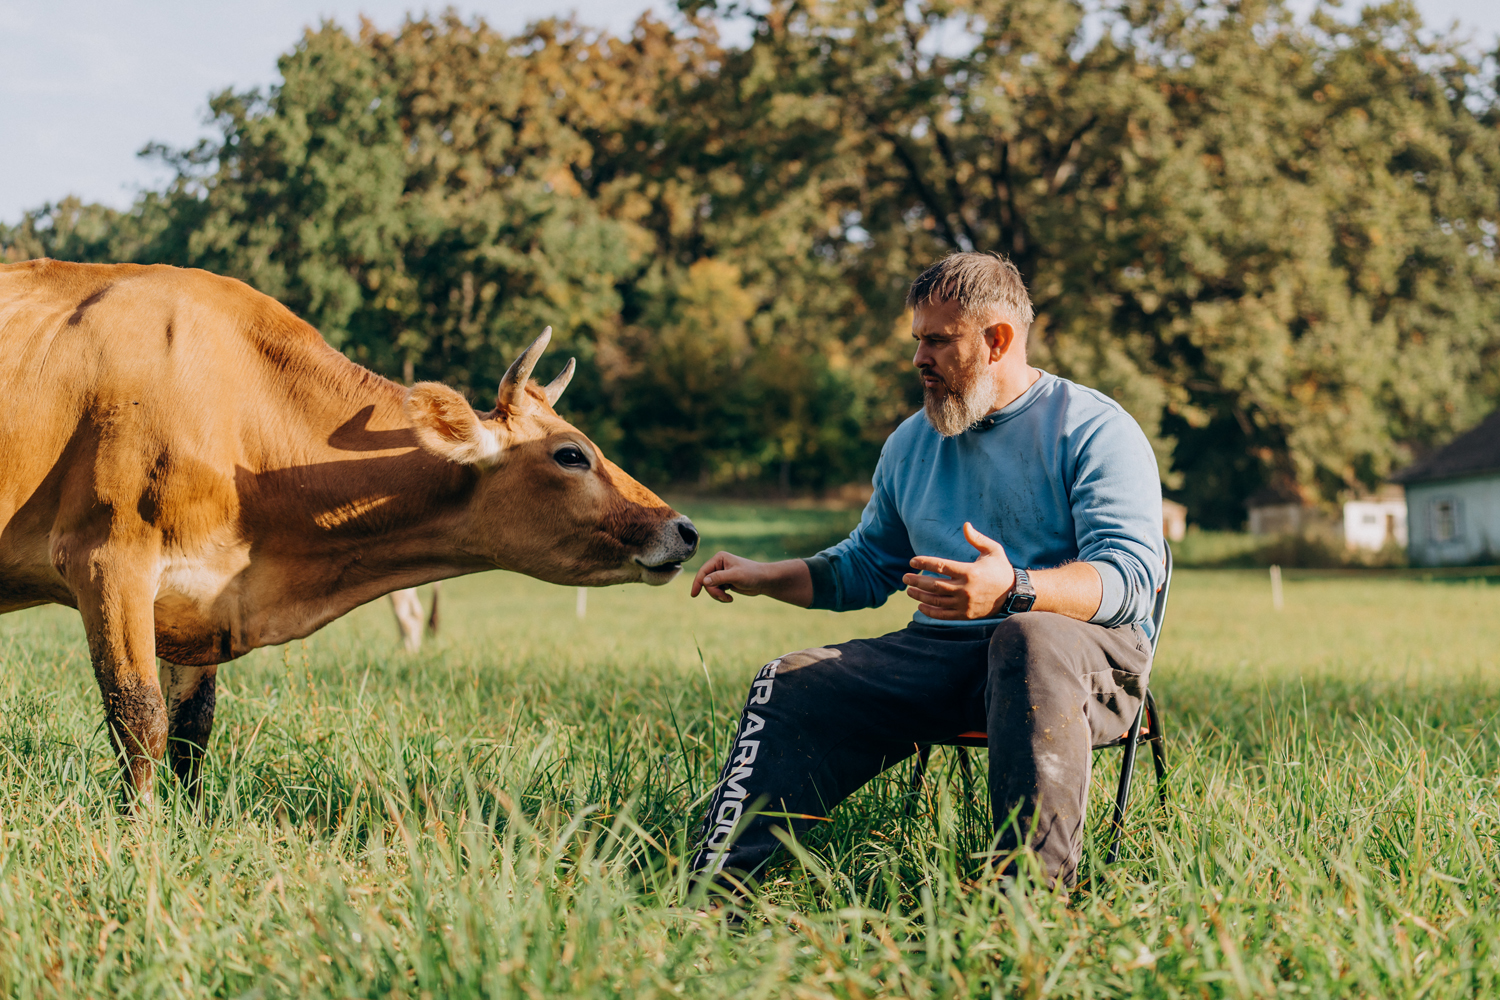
1022 596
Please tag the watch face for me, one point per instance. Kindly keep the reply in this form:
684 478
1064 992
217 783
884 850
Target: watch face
1021 602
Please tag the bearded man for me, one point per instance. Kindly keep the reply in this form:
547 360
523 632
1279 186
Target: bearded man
1022 512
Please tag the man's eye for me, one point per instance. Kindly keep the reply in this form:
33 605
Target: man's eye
571 456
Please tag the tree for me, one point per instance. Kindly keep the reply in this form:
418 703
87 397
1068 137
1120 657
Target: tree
1272 240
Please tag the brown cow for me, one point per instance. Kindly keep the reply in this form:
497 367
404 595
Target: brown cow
197 472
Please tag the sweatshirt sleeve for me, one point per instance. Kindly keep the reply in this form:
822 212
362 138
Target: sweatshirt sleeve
864 569
1116 502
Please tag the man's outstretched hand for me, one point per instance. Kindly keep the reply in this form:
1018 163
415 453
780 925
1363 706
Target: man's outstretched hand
788 580
971 590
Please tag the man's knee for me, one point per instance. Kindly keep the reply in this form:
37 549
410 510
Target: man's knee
1039 657
798 672
815 658
1025 641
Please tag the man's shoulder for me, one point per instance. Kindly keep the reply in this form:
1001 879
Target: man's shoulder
912 438
1082 400
1095 428
915 431
1083 414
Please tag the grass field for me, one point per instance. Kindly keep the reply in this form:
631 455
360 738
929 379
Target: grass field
504 814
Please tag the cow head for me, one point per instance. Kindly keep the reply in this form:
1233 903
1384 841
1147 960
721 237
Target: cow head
548 503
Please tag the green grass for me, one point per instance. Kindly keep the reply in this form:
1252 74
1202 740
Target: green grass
505 814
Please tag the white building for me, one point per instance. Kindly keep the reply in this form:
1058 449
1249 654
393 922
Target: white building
1281 511
1372 524
1453 500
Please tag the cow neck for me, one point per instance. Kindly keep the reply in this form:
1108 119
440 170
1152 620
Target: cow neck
373 511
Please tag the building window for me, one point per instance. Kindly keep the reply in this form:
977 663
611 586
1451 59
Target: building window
1445 521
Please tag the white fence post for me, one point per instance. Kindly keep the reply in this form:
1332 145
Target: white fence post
1276 600
583 602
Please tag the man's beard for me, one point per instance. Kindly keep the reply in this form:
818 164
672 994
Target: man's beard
954 408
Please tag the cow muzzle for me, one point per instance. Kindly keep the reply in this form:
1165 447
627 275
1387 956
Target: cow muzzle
675 544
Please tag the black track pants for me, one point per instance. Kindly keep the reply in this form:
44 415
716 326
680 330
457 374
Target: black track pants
821 722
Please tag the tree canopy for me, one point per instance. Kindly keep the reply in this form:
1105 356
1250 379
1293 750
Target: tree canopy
1271 239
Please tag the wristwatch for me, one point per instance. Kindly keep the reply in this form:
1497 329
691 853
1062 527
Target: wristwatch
1022 596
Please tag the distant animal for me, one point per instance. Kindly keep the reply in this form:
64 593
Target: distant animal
200 474
414 624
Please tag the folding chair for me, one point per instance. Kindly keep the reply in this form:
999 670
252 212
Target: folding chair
1145 728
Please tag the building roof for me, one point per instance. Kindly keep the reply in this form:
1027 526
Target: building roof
1471 454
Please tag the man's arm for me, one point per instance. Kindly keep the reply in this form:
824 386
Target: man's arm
1074 590
1116 501
859 572
788 580
979 589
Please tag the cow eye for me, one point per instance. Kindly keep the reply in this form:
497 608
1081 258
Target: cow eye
570 457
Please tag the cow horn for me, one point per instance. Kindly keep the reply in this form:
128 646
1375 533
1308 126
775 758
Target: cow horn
556 386
513 385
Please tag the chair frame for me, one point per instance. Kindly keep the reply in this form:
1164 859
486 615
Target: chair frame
1146 727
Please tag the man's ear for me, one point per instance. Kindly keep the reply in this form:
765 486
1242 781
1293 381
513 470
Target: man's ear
447 426
1000 337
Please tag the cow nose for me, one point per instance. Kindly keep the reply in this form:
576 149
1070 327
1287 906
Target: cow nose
689 533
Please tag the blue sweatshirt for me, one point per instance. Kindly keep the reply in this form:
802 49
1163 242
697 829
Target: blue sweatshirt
1061 474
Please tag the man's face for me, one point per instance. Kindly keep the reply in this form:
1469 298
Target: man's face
954 361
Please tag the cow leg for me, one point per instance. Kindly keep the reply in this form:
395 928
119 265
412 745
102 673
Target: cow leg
189 693
408 608
116 602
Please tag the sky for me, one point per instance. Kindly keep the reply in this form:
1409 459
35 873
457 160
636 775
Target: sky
84 84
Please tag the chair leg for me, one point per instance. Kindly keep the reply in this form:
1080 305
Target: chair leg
1158 748
919 768
1122 799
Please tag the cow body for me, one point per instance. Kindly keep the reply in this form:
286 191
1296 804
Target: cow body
198 473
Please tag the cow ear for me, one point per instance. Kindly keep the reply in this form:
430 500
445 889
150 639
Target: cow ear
447 426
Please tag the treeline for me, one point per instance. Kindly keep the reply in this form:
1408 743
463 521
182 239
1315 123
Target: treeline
1272 240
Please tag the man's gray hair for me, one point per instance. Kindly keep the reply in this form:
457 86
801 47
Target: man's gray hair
979 282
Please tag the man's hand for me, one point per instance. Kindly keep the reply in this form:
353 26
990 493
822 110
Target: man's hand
788 580
970 590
